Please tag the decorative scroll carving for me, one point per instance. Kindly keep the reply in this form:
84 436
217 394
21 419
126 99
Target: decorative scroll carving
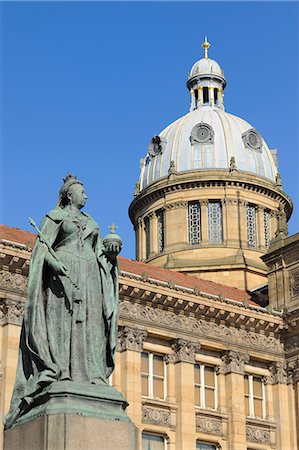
278 373
199 326
11 311
13 280
185 350
293 371
257 434
176 205
294 283
156 416
208 425
131 339
170 358
234 361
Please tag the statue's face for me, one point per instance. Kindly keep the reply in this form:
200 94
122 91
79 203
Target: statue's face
77 195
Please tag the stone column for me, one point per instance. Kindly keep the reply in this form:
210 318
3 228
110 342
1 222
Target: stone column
273 224
176 226
233 231
293 367
192 100
204 222
200 95
224 221
184 357
283 405
138 237
153 234
130 344
211 95
233 370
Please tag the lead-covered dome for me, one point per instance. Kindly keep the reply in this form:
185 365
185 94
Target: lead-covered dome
207 137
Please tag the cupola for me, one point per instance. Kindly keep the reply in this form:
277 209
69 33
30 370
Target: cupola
206 82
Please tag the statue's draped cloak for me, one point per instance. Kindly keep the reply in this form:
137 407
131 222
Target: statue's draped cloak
55 342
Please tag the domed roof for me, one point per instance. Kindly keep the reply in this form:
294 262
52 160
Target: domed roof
207 138
206 66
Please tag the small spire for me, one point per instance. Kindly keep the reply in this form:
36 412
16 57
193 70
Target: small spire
206 45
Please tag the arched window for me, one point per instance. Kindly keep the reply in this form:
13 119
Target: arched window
160 230
251 225
147 236
267 231
216 96
205 93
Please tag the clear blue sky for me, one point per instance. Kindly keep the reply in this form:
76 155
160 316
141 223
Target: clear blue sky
86 85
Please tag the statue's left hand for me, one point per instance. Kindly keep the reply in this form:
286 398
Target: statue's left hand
112 249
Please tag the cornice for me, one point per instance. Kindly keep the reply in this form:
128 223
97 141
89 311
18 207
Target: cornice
200 179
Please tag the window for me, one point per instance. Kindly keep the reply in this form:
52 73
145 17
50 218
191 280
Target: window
215 222
205 386
255 399
153 375
205 446
147 236
194 228
251 225
153 442
216 96
267 228
205 92
160 230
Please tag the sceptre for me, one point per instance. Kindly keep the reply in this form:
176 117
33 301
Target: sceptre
44 240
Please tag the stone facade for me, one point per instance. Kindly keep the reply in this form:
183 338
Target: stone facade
191 328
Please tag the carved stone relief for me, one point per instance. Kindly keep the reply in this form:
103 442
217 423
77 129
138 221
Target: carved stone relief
201 327
156 416
131 339
294 284
11 280
11 311
208 425
278 373
234 361
185 351
257 434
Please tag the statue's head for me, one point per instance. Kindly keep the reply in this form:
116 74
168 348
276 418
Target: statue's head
72 191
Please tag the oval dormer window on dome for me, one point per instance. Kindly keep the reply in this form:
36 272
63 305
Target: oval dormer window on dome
252 139
202 134
156 145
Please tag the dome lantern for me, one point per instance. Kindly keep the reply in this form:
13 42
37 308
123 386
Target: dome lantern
206 82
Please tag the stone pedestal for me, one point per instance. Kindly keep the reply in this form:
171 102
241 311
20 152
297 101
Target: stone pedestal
68 416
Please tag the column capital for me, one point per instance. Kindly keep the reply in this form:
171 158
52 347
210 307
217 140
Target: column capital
278 373
131 339
293 371
234 362
184 351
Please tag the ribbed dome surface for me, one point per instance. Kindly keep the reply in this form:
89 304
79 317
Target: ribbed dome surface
227 142
205 65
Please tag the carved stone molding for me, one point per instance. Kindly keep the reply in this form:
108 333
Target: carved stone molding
184 351
176 205
294 284
11 311
292 344
293 371
201 327
170 358
11 280
156 416
257 434
208 425
278 373
234 361
131 339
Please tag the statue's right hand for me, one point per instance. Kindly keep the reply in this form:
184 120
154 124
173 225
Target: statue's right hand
59 268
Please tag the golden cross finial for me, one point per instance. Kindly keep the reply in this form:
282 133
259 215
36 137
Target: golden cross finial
113 228
206 45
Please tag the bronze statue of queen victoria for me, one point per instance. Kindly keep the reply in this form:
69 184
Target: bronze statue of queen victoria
69 331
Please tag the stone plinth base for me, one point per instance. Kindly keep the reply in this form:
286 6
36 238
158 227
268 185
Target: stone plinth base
72 416
71 432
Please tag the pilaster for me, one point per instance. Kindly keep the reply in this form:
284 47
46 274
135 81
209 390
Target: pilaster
204 222
130 343
184 357
233 369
